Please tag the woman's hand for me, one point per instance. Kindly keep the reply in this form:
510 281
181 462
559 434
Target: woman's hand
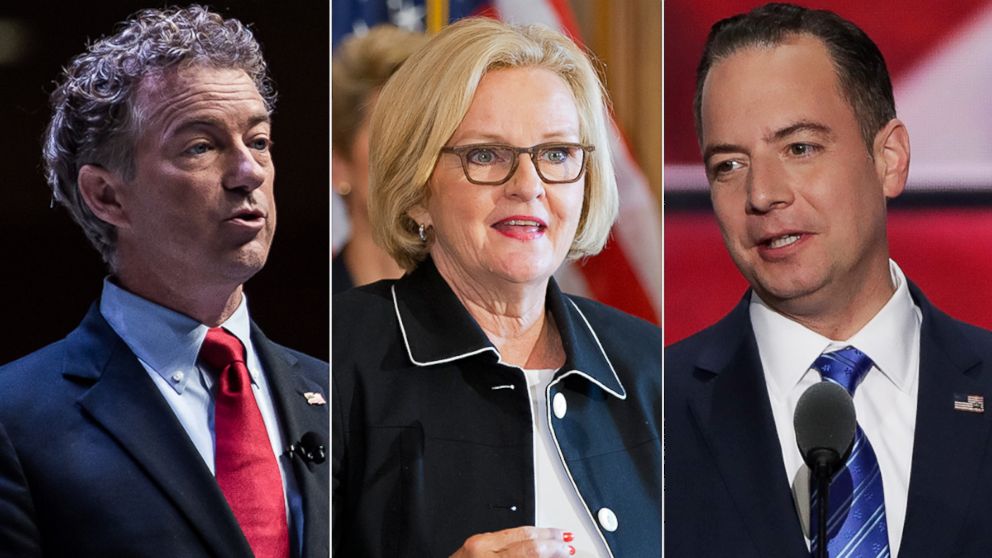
519 542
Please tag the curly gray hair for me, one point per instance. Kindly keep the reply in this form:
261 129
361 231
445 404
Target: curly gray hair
94 118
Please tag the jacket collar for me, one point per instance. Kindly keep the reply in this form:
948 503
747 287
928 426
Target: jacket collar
298 415
939 504
123 400
437 329
731 410
735 417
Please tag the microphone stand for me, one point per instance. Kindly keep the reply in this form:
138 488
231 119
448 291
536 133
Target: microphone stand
823 485
825 422
821 472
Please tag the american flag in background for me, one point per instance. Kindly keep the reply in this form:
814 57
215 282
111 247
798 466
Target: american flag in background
938 53
940 230
627 274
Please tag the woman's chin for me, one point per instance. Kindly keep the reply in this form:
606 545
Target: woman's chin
527 271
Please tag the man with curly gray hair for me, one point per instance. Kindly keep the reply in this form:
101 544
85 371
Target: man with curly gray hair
166 424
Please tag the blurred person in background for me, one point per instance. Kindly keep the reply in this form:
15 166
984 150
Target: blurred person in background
360 68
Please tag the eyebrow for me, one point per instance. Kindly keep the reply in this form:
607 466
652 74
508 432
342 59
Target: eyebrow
777 135
712 150
209 122
548 137
801 126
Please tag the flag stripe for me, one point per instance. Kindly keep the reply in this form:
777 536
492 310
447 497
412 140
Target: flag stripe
610 276
612 281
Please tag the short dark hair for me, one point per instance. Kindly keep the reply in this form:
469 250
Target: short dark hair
860 67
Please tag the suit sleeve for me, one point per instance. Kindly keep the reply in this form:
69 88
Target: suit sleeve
18 532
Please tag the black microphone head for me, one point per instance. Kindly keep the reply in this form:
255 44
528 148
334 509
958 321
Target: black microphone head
825 421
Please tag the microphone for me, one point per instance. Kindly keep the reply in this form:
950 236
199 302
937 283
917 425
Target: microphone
825 422
310 448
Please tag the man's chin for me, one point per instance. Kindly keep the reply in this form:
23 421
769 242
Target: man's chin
244 263
787 293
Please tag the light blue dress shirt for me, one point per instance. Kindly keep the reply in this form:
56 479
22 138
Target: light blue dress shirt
167 345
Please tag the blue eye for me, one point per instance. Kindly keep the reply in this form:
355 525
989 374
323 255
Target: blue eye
198 148
261 144
482 156
557 155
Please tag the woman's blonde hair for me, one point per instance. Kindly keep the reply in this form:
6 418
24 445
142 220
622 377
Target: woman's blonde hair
425 101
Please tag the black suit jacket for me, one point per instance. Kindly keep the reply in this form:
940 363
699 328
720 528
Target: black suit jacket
433 436
94 463
727 492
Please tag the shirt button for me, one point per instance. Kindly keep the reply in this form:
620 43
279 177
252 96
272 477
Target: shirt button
607 519
559 405
177 377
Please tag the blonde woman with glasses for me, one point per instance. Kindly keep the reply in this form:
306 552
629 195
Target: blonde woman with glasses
478 410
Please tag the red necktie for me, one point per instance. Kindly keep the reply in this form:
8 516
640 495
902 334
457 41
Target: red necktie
245 466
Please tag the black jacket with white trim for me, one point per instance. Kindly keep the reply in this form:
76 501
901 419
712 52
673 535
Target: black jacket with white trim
431 446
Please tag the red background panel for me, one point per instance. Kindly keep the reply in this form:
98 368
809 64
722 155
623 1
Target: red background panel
904 31
947 252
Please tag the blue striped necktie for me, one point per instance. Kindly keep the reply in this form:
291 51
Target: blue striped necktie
856 526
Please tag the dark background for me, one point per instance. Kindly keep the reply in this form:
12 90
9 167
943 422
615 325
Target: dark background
51 274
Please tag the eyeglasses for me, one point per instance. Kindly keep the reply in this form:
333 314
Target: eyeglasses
493 164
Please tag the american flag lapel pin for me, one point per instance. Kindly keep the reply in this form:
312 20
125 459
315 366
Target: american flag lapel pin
969 403
316 398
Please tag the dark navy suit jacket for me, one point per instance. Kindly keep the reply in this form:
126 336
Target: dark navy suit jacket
94 463
726 489
433 437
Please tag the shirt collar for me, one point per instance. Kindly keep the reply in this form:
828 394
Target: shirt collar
788 349
165 341
437 328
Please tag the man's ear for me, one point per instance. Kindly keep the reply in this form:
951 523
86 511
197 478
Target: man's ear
892 157
100 190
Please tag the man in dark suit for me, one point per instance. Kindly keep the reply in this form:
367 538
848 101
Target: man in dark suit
802 149
166 424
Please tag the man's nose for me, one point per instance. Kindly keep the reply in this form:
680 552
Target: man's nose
247 169
768 187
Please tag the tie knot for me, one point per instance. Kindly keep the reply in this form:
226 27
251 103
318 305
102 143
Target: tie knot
846 367
221 348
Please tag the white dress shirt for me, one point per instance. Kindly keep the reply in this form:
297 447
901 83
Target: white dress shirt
558 504
167 344
885 401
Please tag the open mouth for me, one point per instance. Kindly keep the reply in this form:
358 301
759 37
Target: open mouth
247 221
248 216
782 241
521 227
527 223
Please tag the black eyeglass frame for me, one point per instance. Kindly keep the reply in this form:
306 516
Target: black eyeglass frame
532 151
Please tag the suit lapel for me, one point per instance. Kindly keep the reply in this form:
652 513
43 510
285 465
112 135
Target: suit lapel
732 411
298 415
945 439
124 401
